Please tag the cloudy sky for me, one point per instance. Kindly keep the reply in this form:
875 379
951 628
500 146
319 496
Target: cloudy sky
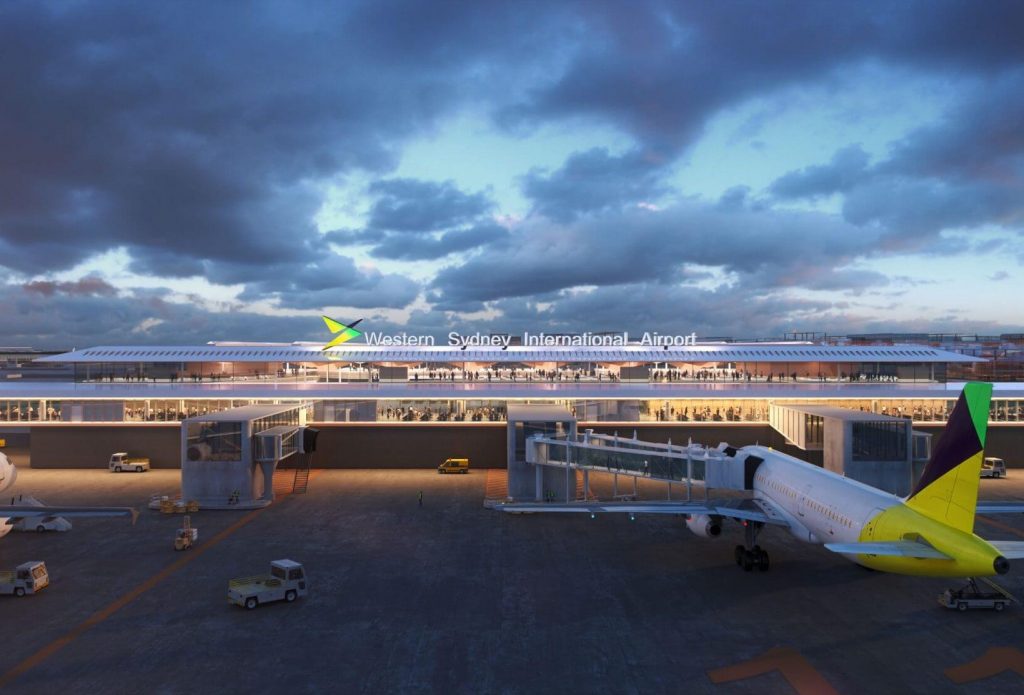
181 172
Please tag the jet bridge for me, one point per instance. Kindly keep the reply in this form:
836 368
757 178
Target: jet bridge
722 467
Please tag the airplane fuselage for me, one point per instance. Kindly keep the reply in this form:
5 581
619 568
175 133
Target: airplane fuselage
824 507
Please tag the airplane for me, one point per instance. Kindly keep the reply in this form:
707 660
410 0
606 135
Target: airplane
12 513
928 533
345 331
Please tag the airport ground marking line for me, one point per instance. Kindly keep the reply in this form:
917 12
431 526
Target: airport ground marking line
791 664
994 661
1001 525
107 611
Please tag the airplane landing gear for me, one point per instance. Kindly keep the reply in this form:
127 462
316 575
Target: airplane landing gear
750 555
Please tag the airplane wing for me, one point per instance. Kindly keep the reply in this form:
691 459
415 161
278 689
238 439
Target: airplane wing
17 512
914 549
1011 550
739 509
995 507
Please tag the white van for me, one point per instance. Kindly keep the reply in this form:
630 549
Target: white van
993 467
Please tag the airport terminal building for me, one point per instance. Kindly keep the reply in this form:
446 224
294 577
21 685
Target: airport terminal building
409 403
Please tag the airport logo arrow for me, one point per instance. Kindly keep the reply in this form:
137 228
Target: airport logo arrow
343 332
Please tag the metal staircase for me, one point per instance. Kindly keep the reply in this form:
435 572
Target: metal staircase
301 482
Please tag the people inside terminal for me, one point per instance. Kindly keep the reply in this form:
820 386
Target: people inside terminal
705 382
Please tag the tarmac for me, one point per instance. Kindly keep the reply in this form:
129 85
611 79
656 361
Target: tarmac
452 597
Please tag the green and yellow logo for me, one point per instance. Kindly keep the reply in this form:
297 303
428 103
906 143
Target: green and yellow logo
343 332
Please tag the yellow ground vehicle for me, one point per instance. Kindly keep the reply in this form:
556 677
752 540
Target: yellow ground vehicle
454 466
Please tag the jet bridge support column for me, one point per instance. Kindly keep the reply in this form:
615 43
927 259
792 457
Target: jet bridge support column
528 481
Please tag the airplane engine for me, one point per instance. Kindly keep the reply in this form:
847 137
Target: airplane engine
8 473
704 525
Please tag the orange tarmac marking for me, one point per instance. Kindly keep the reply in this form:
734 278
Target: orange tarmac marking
1001 525
797 671
104 613
496 486
993 662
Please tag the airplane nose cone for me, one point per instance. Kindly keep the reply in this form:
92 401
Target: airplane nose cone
1001 565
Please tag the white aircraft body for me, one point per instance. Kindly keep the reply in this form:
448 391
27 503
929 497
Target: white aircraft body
11 514
929 533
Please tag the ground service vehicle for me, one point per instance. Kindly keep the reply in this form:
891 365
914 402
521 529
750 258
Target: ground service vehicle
993 467
454 466
46 523
26 578
186 536
122 462
971 597
286 581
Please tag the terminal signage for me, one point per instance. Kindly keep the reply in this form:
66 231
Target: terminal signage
345 332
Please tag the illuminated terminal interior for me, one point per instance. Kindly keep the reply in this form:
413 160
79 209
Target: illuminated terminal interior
702 383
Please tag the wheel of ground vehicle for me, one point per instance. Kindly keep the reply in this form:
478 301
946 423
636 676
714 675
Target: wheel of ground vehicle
290 595
138 469
19 591
117 469
251 602
40 528
961 606
999 605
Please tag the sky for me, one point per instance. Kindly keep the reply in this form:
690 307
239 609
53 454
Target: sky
175 173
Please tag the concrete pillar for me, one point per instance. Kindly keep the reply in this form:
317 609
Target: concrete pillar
267 468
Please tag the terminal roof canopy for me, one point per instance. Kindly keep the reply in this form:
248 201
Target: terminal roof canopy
765 353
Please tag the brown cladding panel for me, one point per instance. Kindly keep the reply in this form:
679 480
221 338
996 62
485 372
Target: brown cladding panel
399 446
1002 441
402 446
90 446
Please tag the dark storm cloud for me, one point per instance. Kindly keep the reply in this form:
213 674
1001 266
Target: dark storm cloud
410 248
791 248
332 280
411 205
594 181
65 320
965 171
199 137
188 133
661 70
415 220
847 167
89 285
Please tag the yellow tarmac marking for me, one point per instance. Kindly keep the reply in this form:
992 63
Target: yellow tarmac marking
991 663
797 671
107 611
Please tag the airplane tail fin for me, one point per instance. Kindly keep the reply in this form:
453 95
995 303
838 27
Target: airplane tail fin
948 488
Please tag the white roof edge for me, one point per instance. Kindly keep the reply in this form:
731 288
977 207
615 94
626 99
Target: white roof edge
312 352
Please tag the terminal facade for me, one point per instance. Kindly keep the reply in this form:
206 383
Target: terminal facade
413 405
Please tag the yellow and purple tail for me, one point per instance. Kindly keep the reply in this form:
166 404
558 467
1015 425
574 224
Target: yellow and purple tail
948 488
